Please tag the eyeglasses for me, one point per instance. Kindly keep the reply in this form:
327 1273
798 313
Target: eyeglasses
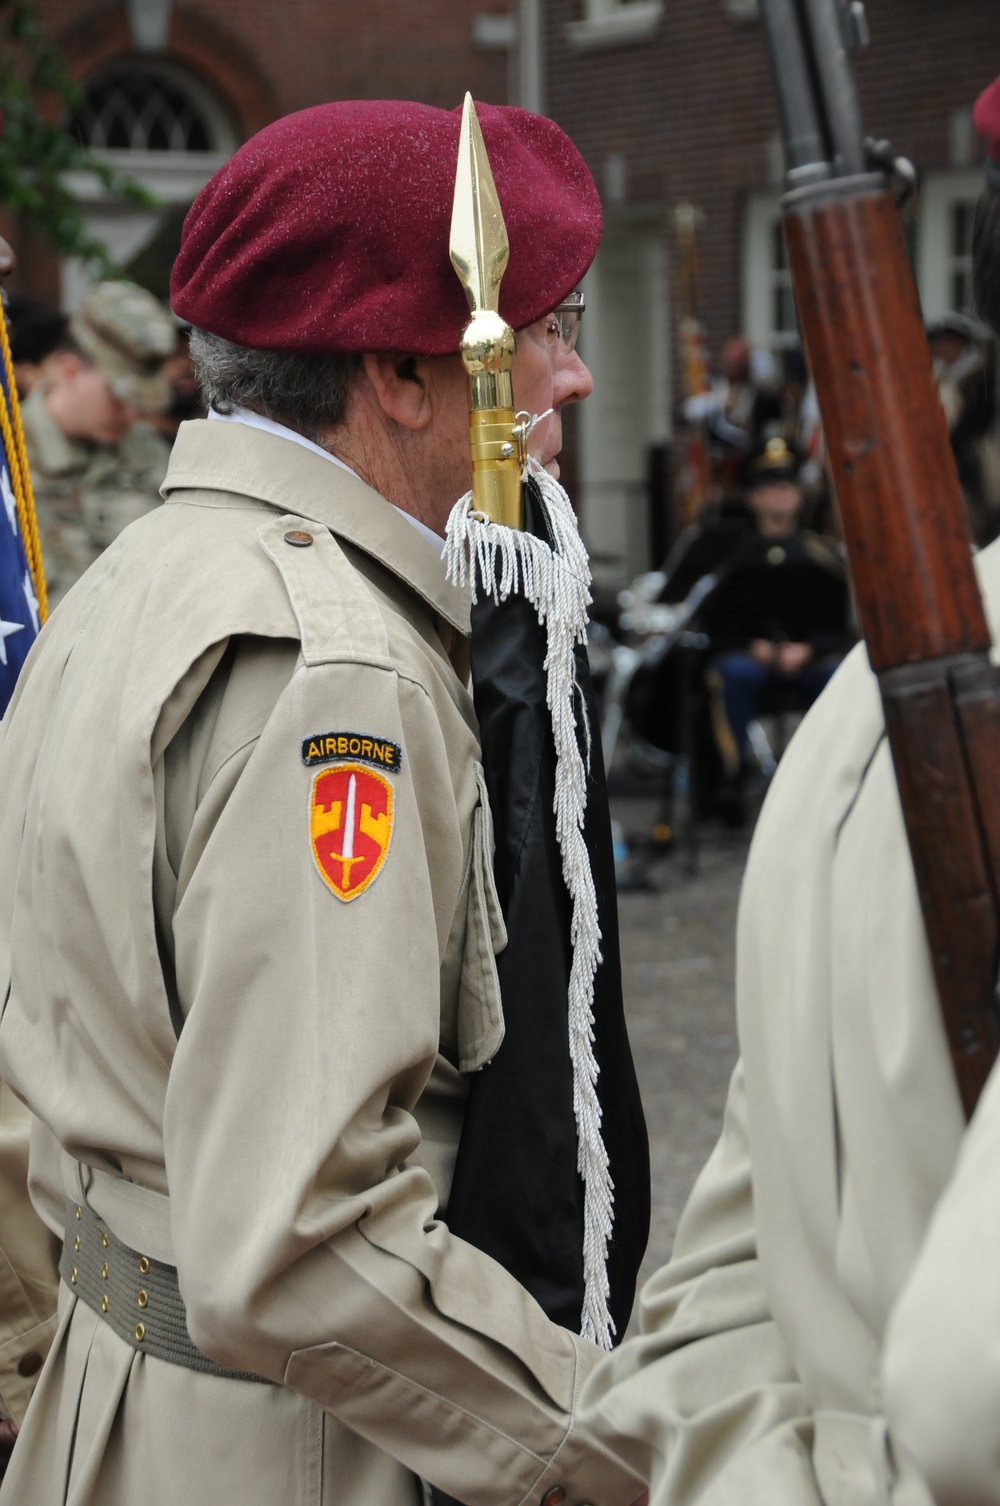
568 315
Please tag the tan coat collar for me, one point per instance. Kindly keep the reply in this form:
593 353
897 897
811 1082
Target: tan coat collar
238 459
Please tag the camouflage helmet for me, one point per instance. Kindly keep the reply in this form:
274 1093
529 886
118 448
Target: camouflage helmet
128 334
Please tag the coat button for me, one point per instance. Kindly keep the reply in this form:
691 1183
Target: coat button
30 1363
554 1497
299 538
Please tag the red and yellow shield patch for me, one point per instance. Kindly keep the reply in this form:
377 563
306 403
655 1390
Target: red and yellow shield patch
350 823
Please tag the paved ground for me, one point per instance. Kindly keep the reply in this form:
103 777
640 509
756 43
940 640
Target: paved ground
677 950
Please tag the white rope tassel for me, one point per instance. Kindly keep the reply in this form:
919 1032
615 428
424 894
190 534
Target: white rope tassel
556 580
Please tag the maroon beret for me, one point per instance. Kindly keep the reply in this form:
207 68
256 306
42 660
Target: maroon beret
328 231
986 117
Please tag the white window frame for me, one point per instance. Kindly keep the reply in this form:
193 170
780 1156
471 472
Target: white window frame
935 261
940 193
760 277
615 23
630 358
175 178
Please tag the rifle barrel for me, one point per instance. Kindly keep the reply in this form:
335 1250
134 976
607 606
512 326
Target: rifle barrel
806 148
826 27
903 515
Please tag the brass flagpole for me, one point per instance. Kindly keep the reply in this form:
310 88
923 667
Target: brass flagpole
479 253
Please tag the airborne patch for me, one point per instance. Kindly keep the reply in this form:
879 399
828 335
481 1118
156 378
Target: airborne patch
325 747
350 827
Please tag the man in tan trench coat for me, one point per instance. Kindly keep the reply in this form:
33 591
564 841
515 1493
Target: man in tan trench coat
827 1332
247 918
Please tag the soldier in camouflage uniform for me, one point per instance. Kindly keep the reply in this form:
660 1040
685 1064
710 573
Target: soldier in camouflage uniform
95 465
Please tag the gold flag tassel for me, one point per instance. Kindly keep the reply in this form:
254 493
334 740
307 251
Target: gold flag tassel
20 476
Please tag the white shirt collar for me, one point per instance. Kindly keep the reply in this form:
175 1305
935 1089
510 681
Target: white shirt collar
258 421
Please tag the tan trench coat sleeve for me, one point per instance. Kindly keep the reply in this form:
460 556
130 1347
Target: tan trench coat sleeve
757 1378
941 1364
709 1393
29 1266
306 1241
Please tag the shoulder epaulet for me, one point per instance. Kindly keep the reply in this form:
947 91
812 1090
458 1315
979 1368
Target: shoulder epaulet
335 609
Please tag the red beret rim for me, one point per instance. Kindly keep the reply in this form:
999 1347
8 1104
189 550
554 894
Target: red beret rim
327 232
986 117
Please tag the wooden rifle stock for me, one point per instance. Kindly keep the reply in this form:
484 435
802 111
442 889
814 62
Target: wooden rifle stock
918 598
902 509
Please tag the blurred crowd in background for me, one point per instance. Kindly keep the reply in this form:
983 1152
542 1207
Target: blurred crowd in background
707 662
749 614
103 392
751 395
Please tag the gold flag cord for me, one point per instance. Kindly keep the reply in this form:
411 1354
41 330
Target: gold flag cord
20 475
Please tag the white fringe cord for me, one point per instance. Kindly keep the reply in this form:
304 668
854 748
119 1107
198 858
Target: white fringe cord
556 580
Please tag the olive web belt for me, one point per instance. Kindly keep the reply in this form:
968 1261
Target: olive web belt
137 1297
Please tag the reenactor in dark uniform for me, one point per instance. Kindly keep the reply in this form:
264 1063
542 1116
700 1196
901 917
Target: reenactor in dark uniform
779 619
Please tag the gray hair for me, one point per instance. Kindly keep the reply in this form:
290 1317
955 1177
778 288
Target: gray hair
306 393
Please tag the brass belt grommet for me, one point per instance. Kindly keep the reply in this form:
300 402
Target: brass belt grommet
143 1265
76 1241
72 1276
140 1332
104 1303
142 1298
104 1271
104 1240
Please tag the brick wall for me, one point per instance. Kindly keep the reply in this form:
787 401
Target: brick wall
274 56
692 111
265 58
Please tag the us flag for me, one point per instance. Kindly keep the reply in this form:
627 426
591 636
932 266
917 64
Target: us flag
21 585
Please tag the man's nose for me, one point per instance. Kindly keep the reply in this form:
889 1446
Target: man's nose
573 381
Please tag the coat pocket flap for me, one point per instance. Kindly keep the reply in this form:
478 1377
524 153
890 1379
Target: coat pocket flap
480 1010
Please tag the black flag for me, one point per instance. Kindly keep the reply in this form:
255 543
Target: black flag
517 1193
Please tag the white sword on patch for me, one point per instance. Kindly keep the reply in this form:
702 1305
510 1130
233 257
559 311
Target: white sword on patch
348 851
346 854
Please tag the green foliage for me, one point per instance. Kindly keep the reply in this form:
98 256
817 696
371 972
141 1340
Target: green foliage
34 153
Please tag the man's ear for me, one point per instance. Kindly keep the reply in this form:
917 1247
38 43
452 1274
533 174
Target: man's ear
67 363
400 386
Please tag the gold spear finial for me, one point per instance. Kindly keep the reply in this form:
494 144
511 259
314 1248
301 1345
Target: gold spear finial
479 251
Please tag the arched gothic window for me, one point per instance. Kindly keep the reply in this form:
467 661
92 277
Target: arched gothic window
165 128
137 106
